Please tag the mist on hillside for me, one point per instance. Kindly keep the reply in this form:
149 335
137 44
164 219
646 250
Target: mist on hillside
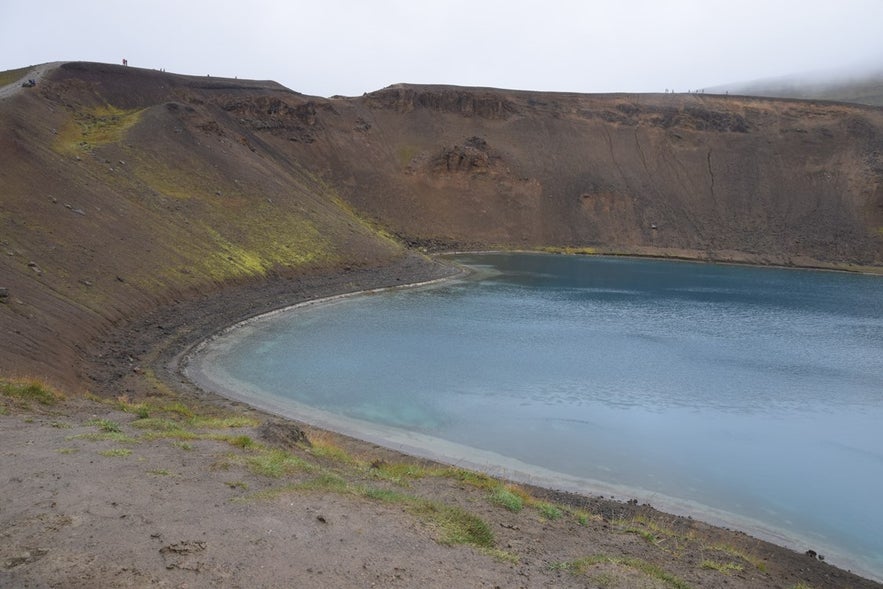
860 84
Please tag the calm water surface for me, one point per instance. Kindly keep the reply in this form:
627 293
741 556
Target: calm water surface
757 393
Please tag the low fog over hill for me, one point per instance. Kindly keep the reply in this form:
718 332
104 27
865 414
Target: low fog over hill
858 86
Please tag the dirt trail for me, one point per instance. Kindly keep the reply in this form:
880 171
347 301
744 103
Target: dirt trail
34 73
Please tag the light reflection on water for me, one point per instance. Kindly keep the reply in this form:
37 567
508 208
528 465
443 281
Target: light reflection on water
755 391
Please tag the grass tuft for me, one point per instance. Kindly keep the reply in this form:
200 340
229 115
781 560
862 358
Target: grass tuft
323 447
397 472
30 390
105 425
583 565
178 408
505 497
549 511
457 525
243 442
758 563
475 479
116 452
276 463
325 482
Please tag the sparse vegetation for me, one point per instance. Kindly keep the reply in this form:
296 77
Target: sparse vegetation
722 567
757 563
276 463
30 390
584 565
397 472
10 76
506 498
228 422
242 442
116 452
653 532
105 425
104 436
96 127
550 511
325 466
323 447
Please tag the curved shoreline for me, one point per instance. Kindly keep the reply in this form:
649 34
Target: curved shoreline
187 366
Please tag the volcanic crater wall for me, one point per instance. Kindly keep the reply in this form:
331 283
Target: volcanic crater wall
123 190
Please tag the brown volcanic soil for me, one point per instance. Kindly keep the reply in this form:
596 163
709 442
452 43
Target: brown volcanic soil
142 211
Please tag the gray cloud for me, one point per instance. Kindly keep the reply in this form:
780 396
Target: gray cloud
349 47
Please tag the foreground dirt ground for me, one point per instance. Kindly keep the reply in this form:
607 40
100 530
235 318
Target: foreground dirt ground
177 492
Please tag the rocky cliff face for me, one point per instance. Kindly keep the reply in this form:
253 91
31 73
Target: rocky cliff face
124 189
766 180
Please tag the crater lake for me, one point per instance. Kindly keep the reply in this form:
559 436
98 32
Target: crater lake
745 396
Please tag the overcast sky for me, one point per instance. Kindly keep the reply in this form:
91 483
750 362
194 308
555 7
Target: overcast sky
326 47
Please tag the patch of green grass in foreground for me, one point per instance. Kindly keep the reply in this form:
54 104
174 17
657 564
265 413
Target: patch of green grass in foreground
506 498
583 565
105 425
30 390
275 463
454 524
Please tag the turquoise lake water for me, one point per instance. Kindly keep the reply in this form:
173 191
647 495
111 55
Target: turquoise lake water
748 396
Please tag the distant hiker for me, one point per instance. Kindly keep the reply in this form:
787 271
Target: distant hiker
125 61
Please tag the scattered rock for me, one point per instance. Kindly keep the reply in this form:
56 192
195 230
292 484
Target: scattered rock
811 553
284 435
321 518
26 557
177 556
4 294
